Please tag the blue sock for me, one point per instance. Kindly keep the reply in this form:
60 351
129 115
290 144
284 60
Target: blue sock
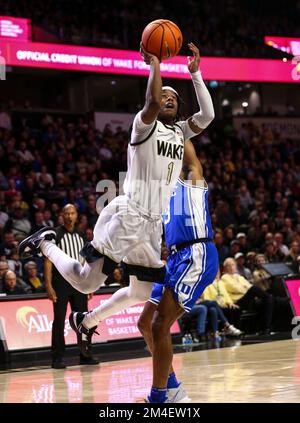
158 395
172 381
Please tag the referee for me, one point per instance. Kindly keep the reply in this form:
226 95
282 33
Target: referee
60 292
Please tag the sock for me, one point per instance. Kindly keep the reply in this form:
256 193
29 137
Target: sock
119 301
137 292
172 381
158 395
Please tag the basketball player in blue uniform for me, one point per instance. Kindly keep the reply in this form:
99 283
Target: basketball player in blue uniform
192 265
129 227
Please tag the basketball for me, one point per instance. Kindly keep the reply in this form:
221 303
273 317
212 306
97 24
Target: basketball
162 38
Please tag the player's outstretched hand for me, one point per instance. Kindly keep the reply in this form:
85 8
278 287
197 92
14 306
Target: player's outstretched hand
147 56
193 62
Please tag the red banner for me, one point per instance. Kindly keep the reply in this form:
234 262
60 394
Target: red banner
58 56
27 324
293 287
15 28
286 44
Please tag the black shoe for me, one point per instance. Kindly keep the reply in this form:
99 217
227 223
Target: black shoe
84 335
30 246
58 364
88 360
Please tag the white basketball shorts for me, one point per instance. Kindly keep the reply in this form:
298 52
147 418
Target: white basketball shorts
123 234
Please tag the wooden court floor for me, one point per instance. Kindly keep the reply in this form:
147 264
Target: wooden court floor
265 372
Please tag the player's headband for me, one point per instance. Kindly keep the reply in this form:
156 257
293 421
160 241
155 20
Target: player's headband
170 89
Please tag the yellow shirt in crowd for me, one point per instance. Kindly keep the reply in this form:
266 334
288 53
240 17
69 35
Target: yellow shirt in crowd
216 291
236 285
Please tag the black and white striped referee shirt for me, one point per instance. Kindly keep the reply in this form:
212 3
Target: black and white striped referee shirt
70 243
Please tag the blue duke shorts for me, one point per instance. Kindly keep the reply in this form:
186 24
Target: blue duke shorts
189 272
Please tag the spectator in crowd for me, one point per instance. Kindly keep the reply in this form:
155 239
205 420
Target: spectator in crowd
44 179
242 239
246 199
5 119
215 313
48 218
223 251
261 278
117 278
293 257
234 248
8 245
242 270
3 269
199 312
224 214
228 235
3 219
18 224
281 249
15 264
270 252
39 221
32 278
10 284
250 260
89 234
217 292
243 294
91 211
25 156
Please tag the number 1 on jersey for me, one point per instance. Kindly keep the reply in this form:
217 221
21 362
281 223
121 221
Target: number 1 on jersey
170 171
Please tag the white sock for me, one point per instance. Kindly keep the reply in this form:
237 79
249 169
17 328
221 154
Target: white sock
137 292
87 278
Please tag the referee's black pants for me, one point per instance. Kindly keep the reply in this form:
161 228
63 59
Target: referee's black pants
65 294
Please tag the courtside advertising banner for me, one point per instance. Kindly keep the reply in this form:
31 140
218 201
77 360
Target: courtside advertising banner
27 324
293 287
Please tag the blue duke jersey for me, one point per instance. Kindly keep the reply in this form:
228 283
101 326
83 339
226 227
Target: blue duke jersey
189 210
155 154
192 268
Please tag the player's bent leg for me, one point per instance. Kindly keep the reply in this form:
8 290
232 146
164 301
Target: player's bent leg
85 324
86 279
137 292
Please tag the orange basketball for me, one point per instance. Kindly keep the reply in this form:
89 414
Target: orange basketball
162 38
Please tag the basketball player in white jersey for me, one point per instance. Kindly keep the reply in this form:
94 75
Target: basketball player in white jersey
192 265
129 228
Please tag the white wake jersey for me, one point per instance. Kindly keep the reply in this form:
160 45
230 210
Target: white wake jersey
154 161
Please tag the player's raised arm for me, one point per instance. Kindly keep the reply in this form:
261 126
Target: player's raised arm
201 119
192 163
153 93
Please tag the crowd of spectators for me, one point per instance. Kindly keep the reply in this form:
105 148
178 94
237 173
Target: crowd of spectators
226 27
